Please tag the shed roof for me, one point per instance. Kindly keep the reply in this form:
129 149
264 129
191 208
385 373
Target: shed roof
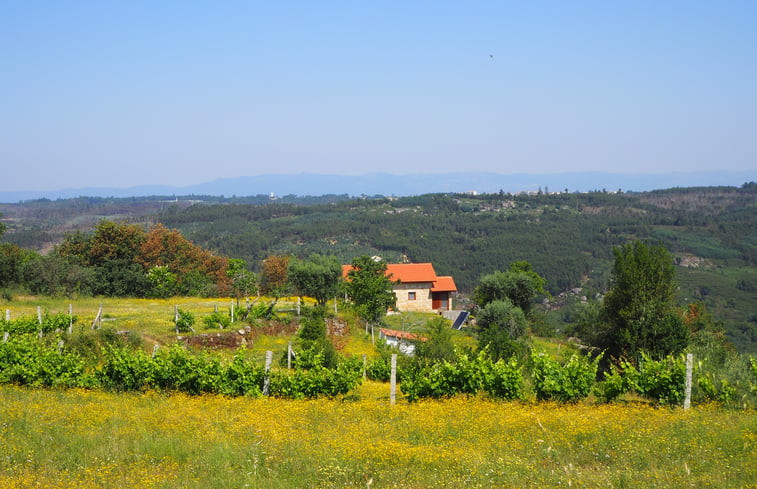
403 335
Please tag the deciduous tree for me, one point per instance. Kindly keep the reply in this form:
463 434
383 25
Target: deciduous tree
520 284
438 345
195 268
369 289
274 277
317 277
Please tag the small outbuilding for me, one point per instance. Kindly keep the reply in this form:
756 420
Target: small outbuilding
401 340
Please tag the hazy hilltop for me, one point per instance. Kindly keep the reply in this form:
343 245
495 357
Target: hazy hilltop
568 237
303 184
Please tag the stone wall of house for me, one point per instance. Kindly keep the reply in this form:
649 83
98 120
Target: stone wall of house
422 302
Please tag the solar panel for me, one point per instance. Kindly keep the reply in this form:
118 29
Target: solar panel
460 320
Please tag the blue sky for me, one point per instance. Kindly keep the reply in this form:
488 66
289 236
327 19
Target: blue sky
129 93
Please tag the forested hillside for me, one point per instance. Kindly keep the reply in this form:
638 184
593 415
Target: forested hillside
567 237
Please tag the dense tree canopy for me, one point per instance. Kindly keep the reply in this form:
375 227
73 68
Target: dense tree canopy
127 261
520 284
198 271
638 310
318 277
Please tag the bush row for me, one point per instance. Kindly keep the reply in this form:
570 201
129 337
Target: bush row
660 381
501 379
31 324
26 360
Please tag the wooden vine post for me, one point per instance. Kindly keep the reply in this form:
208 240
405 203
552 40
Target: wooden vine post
98 319
393 381
689 369
267 381
70 319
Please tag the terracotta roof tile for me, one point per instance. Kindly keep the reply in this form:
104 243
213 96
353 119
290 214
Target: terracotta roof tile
444 284
411 272
408 273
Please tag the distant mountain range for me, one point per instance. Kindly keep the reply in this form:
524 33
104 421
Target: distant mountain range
402 185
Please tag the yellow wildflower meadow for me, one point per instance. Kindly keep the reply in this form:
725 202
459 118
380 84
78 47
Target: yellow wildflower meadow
87 439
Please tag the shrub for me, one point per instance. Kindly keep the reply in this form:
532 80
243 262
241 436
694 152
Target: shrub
178 369
125 369
662 381
564 383
505 380
217 320
24 360
379 369
465 375
184 321
30 324
242 378
614 384
318 381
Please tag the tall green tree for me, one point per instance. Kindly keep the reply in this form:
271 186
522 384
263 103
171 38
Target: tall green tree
520 284
317 277
638 311
369 289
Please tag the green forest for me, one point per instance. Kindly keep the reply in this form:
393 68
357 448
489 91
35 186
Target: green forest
568 238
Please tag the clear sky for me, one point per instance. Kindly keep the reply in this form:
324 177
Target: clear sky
107 93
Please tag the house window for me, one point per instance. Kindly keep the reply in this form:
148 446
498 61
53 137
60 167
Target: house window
411 296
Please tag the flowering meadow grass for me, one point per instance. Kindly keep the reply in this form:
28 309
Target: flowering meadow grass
152 318
83 439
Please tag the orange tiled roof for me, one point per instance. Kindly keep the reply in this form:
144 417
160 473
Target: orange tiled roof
408 273
444 284
404 335
411 272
